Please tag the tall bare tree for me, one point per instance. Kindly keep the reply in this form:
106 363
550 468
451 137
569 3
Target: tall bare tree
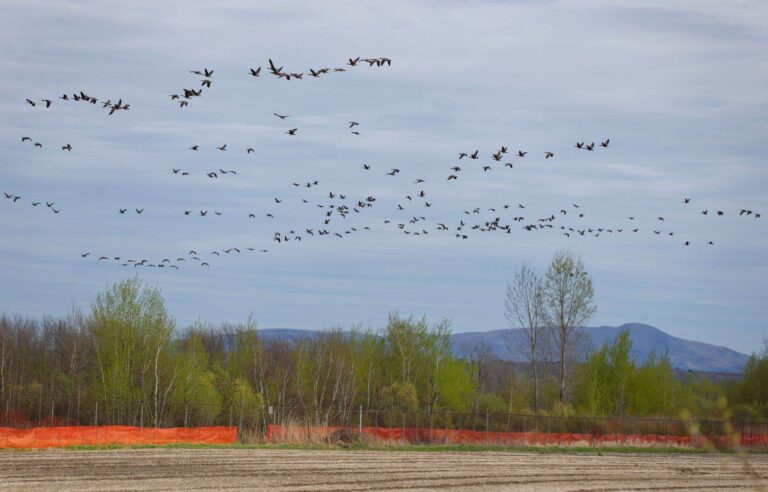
569 302
524 309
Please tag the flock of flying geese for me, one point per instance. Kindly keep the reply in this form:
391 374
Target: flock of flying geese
340 205
83 97
184 97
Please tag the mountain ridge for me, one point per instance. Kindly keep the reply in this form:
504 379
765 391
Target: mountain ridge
685 355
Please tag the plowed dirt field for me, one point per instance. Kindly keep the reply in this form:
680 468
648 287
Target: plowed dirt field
325 470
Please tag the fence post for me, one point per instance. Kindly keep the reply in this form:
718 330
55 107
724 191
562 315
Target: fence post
242 402
96 416
431 425
486 427
549 428
186 413
360 423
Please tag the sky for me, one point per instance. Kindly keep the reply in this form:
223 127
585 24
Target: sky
680 88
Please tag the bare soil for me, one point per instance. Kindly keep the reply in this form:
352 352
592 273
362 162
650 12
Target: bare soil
325 470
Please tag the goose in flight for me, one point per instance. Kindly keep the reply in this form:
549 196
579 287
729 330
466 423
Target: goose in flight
281 116
256 72
292 131
275 70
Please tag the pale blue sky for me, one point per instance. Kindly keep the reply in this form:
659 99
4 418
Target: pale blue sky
681 90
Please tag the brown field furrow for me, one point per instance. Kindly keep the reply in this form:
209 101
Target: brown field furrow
329 470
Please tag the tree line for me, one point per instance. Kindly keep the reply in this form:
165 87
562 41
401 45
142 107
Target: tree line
127 362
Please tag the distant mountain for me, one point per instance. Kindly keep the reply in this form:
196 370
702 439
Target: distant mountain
684 354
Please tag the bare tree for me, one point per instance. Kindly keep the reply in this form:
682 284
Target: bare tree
569 302
524 308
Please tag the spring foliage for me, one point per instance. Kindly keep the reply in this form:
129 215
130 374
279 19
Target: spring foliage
127 362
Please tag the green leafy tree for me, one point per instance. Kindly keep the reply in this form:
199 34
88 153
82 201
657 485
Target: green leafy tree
131 335
196 390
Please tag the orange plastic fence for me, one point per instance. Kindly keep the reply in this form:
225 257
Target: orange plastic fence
276 433
53 437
